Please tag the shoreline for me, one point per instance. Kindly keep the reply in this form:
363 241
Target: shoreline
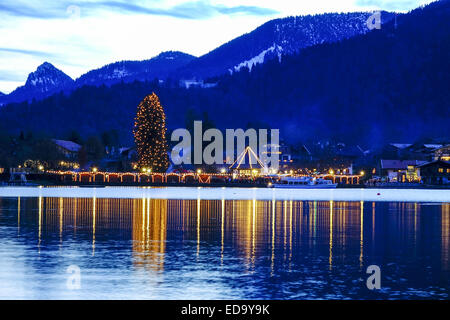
230 193
47 183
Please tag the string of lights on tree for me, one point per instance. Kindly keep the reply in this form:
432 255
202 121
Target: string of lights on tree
150 135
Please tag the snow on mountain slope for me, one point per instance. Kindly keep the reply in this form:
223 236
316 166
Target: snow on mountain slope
278 37
260 58
46 78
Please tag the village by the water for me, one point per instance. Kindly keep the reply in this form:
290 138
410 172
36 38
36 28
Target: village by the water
322 164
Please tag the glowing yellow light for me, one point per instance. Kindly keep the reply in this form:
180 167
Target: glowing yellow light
362 173
223 170
331 171
199 171
41 167
94 169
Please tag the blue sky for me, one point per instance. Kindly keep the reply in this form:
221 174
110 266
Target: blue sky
77 36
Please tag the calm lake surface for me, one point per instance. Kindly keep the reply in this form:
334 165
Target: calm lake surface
222 249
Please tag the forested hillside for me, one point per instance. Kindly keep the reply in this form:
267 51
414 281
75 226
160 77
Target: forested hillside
390 84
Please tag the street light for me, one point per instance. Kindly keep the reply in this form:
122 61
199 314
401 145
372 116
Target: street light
94 169
362 173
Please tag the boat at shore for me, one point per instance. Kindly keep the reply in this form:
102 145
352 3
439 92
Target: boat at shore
304 183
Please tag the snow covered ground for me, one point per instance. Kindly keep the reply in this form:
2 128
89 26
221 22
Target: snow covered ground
396 195
259 59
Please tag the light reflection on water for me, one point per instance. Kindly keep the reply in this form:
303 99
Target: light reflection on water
222 249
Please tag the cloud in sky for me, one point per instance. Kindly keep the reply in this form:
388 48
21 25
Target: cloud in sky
392 5
9 76
78 36
27 52
186 10
25 10
201 9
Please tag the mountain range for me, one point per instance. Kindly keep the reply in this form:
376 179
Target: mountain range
43 82
159 67
381 86
273 39
276 38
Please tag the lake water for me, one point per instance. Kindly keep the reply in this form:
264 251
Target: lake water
168 244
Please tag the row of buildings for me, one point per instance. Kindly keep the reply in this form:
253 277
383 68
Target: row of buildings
393 163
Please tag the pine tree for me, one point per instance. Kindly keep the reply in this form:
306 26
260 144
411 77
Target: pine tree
150 135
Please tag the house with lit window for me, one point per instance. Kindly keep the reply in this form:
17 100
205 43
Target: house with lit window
69 149
400 170
283 151
435 172
442 153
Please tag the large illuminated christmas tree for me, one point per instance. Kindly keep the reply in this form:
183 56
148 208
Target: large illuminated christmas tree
150 135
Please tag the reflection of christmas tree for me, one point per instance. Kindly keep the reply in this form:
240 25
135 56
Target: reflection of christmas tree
150 135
